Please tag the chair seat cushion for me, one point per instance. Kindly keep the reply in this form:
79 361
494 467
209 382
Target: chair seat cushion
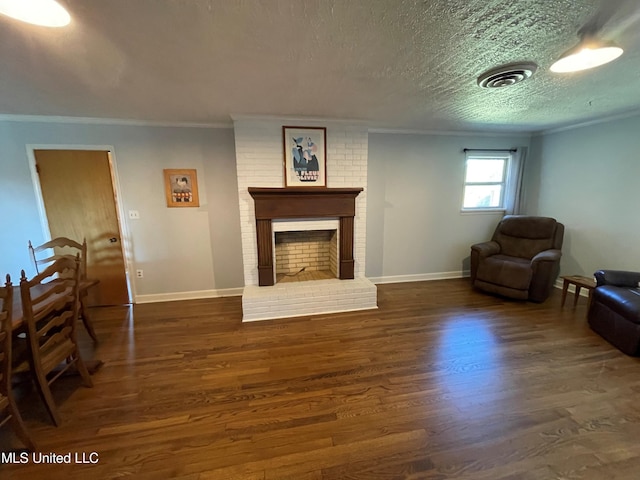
622 300
505 270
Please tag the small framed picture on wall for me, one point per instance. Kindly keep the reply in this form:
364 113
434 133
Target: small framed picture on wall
181 187
305 156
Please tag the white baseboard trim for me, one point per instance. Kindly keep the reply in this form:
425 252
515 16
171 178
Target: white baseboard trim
572 288
171 297
419 277
233 292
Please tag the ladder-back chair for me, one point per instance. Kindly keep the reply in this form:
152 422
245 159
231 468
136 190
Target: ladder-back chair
7 401
50 305
63 246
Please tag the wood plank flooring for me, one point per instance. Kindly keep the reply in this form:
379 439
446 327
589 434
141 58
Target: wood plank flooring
441 382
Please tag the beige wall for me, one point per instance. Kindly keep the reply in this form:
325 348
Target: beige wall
587 178
180 250
414 226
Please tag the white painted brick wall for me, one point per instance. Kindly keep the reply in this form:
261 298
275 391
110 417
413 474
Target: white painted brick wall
259 160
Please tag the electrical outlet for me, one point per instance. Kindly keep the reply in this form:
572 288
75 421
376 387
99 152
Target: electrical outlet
134 214
140 273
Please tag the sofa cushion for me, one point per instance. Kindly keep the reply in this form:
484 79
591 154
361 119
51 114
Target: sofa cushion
622 300
505 270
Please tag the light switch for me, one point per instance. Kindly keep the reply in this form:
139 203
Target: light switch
134 214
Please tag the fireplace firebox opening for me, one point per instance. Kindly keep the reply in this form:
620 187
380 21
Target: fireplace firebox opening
306 255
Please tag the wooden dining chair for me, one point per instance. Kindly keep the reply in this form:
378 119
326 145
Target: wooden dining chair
63 246
7 401
50 306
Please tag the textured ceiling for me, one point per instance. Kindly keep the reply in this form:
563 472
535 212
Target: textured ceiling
405 64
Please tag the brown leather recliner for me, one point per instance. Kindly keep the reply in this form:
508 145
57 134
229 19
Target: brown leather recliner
522 260
614 311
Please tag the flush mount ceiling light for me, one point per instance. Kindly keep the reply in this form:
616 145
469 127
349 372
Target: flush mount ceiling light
590 52
506 75
47 13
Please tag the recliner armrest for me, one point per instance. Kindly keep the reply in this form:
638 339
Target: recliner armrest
618 278
486 249
552 255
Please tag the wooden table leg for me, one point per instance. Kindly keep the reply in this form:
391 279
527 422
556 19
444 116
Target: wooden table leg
576 295
565 286
86 319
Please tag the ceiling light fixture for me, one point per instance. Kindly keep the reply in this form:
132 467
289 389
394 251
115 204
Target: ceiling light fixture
590 52
47 13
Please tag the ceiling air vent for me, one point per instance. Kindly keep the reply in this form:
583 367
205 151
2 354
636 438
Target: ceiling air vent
506 75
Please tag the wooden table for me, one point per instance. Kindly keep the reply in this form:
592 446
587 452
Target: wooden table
17 320
579 282
17 315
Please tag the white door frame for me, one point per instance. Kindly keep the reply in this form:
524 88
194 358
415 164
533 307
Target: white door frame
125 236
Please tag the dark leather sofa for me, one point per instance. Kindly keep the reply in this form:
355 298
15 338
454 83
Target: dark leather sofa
614 312
522 260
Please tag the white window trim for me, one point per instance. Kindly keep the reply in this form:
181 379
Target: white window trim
506 183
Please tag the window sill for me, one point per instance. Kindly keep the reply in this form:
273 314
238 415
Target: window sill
482 211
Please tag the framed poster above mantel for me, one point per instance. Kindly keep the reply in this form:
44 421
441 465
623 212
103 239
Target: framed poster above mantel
305 156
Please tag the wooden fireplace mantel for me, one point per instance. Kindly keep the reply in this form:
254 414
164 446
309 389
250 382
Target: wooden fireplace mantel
303 202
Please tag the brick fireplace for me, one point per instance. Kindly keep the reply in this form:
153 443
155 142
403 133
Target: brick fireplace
259 154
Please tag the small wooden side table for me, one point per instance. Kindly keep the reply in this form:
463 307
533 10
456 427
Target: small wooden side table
579 281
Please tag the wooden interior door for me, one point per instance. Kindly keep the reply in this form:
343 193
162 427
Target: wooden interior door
79 200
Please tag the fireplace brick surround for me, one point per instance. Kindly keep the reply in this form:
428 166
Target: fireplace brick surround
275 203
259 158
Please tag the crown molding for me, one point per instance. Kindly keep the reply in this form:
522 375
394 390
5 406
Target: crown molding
107 121
311 120
371 127
457 133
299 119
588 123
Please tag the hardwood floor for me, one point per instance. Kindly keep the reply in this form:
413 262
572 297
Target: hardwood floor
441 382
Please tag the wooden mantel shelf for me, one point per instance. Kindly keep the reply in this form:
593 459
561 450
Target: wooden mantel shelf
305 190
303 202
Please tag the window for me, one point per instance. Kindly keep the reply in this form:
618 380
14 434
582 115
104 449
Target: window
485 181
